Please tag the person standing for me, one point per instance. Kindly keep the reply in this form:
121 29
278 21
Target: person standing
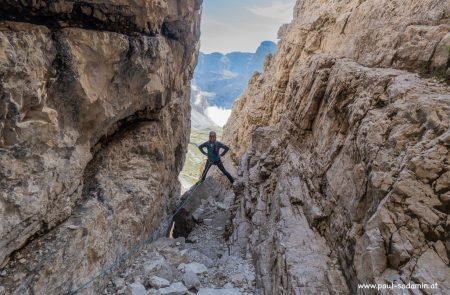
214 155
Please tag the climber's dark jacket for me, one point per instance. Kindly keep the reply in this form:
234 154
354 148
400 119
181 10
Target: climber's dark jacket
213 150
213 153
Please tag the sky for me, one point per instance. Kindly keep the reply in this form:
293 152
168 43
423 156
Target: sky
241 25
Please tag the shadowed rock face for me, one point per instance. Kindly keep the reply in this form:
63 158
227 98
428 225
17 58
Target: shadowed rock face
94 123
344 150
121 16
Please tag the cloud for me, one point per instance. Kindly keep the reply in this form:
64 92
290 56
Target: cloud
218 115
241 25
279 10
244 35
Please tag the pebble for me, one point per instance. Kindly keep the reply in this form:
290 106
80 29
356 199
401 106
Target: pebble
191 280
119 283
19 276
158 283
222 206
154 264
136 289
174 289
197 215
196 256
196 268
211 291
194 239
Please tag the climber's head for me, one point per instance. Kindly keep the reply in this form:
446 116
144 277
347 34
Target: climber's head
212 136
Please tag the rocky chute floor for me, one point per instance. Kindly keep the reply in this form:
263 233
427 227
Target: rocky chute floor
200 264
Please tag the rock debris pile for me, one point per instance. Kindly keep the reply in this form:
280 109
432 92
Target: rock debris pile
200 264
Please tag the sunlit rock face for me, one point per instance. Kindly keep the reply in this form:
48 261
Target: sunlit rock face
343 144
94 123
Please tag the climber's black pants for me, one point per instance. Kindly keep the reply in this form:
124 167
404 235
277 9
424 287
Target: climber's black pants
220 166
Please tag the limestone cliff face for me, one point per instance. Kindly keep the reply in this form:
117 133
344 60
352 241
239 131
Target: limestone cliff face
94 123
343 144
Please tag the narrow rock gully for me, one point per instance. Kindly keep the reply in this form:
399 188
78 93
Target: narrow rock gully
195 258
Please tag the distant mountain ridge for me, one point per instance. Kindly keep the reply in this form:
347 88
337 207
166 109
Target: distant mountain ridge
227 75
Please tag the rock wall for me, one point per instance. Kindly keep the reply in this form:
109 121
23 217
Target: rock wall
343 144
94 124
